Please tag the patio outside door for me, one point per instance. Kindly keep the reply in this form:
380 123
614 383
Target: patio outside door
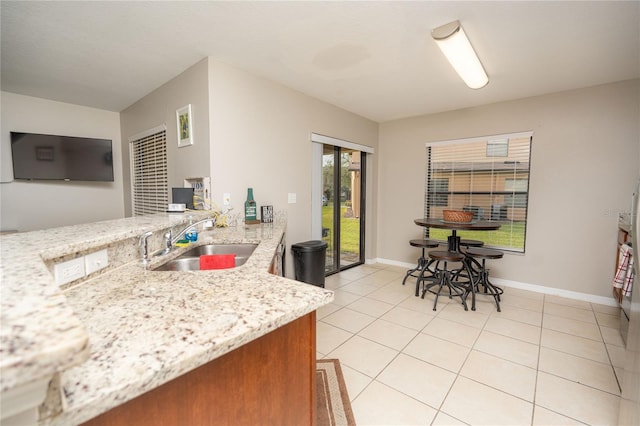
343 207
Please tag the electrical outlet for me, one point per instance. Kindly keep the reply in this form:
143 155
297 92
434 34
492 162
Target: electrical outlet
292 198
95 261
226 199
68 271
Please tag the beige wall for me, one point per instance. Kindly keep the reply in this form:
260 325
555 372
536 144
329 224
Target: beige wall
159 107
260 138
252 132
584 164
27 206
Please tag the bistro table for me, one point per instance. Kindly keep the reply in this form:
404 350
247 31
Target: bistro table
454 240
454 244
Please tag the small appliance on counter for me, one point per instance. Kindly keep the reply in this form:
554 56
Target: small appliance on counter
182 196
201 191
176 208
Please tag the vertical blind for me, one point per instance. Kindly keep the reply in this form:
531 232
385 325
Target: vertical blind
150 190
488 176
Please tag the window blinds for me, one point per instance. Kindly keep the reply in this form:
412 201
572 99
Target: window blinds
488 176
150 190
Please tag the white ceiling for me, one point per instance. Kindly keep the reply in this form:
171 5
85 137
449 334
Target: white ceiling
376 59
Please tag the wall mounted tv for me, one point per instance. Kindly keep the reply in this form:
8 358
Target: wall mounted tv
51 157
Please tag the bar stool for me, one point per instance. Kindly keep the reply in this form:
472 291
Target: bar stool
443 277
483 273
464 246
471 243
423 262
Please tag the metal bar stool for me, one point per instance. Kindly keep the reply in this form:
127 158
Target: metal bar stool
423 262
483 273
443 277
471 243
464 245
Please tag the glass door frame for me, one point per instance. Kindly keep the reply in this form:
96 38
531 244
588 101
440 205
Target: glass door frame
336 253
318 141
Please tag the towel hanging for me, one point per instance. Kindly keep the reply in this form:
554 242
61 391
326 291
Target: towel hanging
624 274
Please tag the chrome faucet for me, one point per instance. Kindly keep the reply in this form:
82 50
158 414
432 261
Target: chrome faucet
144 246
166 238
166 242
180 234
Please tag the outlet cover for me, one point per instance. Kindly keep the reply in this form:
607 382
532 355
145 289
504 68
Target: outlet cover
226 199
95 261
68 271
292 198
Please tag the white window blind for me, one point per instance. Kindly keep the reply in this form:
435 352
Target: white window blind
488 176
150 190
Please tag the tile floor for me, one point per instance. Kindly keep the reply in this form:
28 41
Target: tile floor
543 360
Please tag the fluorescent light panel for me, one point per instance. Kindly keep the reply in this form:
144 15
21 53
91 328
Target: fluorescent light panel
455 45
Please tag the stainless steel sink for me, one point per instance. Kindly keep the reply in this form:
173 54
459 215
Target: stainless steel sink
190 260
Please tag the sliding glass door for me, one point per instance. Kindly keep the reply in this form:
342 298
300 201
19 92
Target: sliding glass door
343 206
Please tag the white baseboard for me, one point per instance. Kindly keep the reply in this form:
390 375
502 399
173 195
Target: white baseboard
391 262
592 298
602 300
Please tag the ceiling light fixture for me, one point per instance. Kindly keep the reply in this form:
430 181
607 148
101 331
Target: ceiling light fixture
455 45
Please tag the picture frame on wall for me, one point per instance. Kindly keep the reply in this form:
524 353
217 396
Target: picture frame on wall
184 123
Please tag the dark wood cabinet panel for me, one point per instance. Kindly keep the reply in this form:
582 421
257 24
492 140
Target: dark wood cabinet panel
270 381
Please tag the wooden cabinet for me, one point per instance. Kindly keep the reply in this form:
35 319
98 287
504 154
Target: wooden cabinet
269 381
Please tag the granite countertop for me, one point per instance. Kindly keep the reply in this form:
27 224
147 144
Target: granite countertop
39 333
131 329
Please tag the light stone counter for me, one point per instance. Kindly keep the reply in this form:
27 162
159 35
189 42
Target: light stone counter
138 328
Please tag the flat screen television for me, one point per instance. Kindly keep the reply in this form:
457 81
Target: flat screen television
52 157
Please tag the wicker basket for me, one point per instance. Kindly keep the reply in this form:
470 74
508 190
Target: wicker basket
457 216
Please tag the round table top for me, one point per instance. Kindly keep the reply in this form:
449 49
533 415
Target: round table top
481 225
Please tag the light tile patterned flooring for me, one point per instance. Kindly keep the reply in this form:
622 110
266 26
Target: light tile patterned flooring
543 360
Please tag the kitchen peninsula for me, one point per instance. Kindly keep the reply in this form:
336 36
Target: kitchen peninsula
128 337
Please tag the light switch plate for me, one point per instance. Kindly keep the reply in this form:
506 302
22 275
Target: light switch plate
95 261
292 198
226 199
68 271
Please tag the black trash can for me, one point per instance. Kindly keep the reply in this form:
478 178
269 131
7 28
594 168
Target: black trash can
309 260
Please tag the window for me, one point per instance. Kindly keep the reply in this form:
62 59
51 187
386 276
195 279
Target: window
518 192
498 148
488 176
439 191
150 192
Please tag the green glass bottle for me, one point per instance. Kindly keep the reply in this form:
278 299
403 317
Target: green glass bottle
250 208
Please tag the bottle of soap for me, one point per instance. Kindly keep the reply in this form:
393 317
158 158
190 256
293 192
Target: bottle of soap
192 233
250 208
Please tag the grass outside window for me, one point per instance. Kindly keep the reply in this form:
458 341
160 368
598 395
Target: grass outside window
509 235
